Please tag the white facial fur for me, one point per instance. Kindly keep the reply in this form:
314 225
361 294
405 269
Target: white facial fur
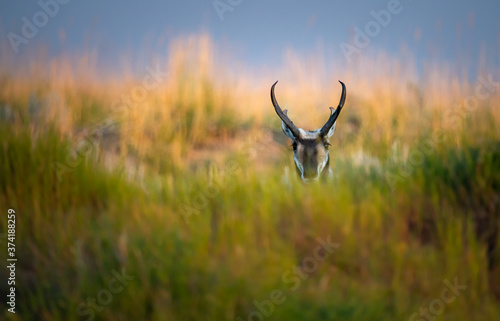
311 154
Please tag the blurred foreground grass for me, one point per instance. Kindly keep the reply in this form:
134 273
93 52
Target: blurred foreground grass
183 191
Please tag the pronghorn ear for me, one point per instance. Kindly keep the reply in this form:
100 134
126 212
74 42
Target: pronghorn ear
332 130
285 128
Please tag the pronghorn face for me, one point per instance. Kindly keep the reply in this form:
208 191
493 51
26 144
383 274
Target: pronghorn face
310 148
310 152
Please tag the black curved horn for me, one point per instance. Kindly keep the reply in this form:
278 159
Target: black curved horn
282 115
334 113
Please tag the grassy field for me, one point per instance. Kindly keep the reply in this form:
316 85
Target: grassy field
165 199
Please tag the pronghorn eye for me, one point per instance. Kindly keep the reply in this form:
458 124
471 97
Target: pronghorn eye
311 160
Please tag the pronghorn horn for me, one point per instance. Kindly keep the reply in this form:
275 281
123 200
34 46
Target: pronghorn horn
282 115
334 113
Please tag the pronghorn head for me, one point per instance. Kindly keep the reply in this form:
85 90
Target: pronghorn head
310 148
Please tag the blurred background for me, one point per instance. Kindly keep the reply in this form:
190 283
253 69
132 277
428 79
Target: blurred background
151 180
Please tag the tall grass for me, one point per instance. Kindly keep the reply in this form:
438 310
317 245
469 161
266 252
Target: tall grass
184 191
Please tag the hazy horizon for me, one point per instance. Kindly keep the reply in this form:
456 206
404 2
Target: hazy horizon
257 33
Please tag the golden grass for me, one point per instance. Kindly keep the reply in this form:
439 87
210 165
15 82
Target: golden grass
205 222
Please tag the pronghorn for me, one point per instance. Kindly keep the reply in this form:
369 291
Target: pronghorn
310 148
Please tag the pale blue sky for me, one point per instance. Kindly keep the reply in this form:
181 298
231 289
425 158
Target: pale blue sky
260 31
